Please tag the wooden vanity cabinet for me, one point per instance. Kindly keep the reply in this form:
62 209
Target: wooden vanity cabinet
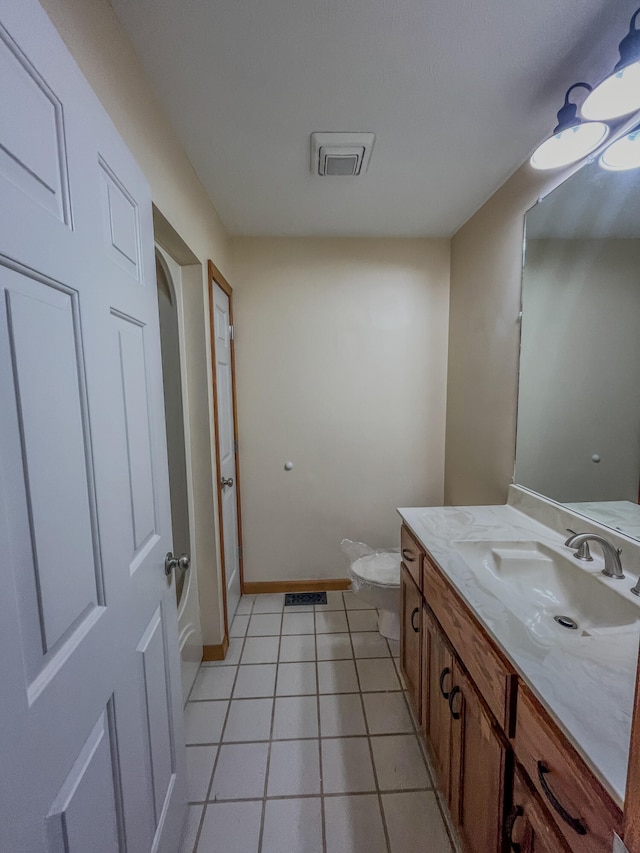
410 639
479 723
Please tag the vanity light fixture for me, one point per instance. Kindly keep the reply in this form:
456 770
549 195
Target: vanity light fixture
572 139
619 94
622 154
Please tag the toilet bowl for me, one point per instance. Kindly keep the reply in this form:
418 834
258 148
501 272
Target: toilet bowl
375 579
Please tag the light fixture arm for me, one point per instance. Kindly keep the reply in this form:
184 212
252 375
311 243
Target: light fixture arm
568 113
630 45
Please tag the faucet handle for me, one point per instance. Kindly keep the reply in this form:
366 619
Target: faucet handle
573 533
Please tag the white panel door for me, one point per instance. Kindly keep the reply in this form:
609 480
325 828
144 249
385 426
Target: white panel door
91 750
226 443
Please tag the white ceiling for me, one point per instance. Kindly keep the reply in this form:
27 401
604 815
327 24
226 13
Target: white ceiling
458 93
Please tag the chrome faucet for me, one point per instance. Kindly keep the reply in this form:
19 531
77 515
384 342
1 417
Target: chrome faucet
612 564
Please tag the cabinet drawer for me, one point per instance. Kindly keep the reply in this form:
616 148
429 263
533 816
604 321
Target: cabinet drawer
581 808
529 824
492 674
411 556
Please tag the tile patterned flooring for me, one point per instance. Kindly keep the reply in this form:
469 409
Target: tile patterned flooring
302 741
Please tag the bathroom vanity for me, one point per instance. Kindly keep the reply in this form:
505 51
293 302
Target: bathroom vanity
520 662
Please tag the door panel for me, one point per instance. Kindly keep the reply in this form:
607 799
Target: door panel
438 686
477 771
84 506
226 444
410 639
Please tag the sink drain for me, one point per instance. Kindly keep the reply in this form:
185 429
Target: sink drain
566 622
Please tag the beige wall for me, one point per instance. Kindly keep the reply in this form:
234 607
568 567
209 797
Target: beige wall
188 227
341 368
484 339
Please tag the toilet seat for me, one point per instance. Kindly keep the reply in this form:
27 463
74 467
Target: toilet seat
379 570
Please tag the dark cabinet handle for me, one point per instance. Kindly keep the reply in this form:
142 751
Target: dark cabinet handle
445 672
408 555
573 822
413 613
454 692
516 812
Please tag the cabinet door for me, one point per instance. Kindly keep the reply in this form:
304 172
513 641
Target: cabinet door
437 683
529 827
410 639
478 766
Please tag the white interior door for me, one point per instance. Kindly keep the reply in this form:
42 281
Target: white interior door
91 750
176 396
226 443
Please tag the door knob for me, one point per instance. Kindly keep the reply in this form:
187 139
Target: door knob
171 562
226 481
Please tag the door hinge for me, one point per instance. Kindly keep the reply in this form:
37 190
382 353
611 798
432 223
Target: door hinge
232 335
235 446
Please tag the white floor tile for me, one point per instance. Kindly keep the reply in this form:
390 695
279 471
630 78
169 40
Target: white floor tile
240 772
203 721
244 605
297 623
363 620
269 603
296 679
340 715
249 719
354 825
190 831
233 654
346 766
298 648
199 769
334 602
414 823
334 646
370 645
264 625
231 828
354 602
331 622
255 680
337 676
239 626
292 826
213 682
261 650
399 763
295 717
294 768
377 674
387 713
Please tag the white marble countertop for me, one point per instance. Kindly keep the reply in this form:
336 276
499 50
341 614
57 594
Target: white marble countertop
586 683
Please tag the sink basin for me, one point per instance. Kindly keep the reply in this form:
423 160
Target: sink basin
548 591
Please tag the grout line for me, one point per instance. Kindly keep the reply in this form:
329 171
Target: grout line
273 714
323 823
373 764
326 795
219 749
287 739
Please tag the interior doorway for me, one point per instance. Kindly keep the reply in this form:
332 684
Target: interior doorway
172 340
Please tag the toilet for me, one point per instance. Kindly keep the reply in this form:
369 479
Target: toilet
375 578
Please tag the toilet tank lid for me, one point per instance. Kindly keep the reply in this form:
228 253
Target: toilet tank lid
381 568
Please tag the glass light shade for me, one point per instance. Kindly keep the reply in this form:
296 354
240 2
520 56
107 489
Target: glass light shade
570 145
623 154
616 96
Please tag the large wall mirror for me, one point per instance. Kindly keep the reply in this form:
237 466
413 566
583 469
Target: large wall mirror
578 438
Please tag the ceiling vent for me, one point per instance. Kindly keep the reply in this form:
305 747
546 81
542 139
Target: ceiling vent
341 154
